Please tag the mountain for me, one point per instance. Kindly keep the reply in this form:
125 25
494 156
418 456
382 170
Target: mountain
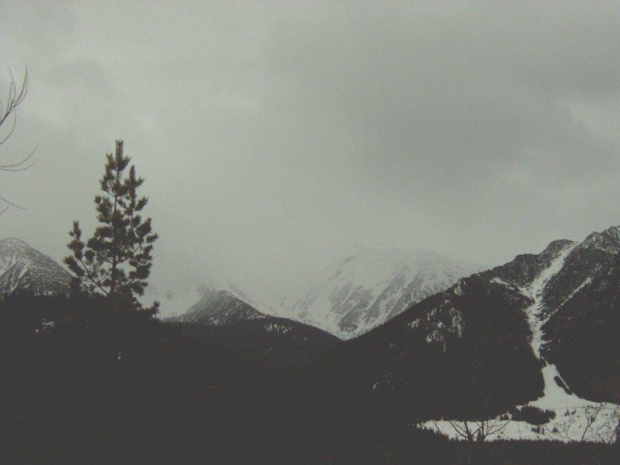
540 330
23 268
353 295
233 326
219 307
581 317
373 286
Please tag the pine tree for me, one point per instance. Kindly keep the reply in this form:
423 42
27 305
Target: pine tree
116 261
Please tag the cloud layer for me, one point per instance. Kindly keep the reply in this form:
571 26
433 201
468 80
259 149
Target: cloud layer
271 134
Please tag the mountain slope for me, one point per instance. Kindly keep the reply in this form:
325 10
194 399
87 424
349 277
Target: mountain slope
233 326
583 321
366 289
574 316
23 268
218 308
538 328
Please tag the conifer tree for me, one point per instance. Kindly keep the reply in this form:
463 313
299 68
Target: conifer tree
116 261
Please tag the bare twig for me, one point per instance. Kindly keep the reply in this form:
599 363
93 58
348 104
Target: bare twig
21 165
11 204
8 112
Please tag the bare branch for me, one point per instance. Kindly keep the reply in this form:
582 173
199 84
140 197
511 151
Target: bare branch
11 203
14 98
5 138
22 165
8 111
591 415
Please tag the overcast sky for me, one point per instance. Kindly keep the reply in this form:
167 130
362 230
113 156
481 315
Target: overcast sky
271 134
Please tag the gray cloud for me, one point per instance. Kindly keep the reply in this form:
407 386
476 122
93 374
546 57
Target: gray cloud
271 133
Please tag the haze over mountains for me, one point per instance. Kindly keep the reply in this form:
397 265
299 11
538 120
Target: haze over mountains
349 298
360 292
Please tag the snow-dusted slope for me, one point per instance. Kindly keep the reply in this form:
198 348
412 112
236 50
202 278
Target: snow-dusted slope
538 314
23 268
561 306
370 287
590 422
573 418
361 291
232 325
218 308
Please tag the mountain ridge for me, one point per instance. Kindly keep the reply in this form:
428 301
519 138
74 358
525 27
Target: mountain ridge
539 331
24 268
363 290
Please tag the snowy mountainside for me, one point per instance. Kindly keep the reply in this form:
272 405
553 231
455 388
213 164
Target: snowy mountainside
23 268
371 287
364 290
231 325
218 307
574 418
357 293
552 316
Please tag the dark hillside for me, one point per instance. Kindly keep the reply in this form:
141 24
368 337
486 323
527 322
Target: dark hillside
84 383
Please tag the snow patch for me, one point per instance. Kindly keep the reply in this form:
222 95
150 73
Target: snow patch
576 419
277 328
591 423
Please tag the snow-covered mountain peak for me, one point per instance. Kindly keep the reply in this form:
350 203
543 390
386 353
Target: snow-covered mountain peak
23 268
545 324
535 286
218 307
14 243
556 247
372 286
15 247
367 266
358 292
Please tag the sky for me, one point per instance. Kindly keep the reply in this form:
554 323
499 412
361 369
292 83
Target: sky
273 135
